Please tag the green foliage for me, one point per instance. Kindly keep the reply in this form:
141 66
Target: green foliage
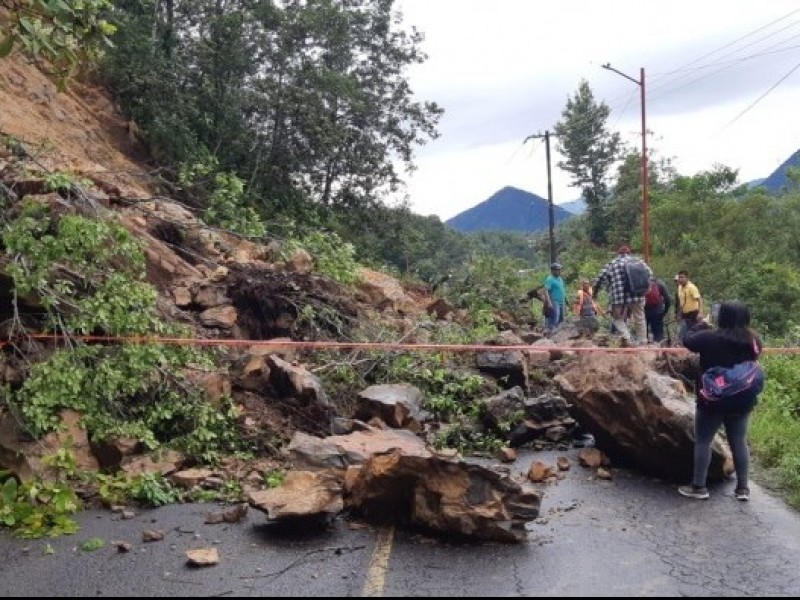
447 393
305 101
342 379
332 256
59 35
775 426
486 283
590 150
63 460
36 509
125 391
226 203
275 478
89 276
64 180
508 424
468 439
151 490
92 544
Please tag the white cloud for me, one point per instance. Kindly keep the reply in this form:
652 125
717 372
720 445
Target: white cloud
503 70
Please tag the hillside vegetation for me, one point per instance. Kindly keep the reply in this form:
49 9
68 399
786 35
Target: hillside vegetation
278 127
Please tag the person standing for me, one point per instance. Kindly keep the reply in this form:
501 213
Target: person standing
656 307
585 304
625 306
586 307
732 342
690 303
555 297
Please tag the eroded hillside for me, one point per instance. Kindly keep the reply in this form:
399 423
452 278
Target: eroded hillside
226 372
79 130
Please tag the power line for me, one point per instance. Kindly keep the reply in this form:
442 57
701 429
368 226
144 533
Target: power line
766 52
695 80
663 84
764 95
729 44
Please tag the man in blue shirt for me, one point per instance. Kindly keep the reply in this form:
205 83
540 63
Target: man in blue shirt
555 297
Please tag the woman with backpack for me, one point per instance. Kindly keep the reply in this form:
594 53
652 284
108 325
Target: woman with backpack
585 304
733 342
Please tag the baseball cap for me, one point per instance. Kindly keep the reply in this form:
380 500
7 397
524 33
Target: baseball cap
555 265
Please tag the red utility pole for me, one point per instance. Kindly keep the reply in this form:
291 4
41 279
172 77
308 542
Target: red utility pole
645 177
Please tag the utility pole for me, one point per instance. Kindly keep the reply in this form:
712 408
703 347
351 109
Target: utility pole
645 195
546 137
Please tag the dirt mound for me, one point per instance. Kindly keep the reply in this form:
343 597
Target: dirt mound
79 130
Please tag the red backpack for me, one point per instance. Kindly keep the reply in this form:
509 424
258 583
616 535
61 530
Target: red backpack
653 296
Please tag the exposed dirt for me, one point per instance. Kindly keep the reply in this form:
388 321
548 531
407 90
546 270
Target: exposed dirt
79 130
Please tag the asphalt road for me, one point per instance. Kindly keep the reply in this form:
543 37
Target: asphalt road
631 536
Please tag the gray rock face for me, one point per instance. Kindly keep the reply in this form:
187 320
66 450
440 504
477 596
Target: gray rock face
445 496
638 417
397 405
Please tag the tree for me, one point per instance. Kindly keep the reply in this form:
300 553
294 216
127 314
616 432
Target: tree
590 150
59 35
625 207
307 102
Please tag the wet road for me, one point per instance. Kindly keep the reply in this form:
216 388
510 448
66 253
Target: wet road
632 536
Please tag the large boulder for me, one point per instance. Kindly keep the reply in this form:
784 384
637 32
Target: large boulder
444 496
638 416
397 405
303 494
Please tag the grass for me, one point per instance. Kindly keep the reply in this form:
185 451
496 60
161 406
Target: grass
775 429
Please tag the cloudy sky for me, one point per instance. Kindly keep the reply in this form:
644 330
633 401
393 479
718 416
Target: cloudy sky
722 79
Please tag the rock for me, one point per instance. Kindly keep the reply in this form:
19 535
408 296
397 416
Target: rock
453 498
303 494
152 535
202 557
638 417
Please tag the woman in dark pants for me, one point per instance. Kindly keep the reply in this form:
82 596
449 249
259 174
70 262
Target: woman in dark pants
732 342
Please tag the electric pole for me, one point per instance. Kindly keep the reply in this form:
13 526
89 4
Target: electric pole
551 210
645 195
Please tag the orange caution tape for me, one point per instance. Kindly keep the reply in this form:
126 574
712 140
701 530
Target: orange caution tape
365 345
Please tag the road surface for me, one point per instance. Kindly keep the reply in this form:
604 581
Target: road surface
632 536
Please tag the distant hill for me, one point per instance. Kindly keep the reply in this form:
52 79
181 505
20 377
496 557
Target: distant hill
778 182
576 207
509 209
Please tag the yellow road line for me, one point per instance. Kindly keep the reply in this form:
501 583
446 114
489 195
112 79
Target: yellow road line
379 565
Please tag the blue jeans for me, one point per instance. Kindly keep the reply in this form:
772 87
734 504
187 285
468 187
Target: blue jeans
686 322
655 322
557 317
706 425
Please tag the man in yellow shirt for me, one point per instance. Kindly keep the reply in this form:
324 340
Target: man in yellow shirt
690 303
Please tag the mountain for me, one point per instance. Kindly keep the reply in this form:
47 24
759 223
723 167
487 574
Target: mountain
778 181
510 209
576 207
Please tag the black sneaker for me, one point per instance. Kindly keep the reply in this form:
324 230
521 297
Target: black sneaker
742 494
693 491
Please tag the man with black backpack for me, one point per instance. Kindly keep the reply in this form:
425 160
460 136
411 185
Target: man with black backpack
656 306
627 279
